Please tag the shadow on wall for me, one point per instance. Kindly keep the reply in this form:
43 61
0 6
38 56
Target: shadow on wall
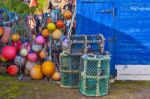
126 50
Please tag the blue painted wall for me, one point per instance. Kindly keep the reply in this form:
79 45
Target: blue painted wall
127 33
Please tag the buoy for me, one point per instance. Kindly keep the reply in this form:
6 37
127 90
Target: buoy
48 68
60 24
15 37
29 65
32 57
33 3
43 54
56 76
57 34
68 14
49 20
6 35
37 47
23 52
1 31
19 61
40 40
9 52
36 73
45 33
17 45
12 70
51 26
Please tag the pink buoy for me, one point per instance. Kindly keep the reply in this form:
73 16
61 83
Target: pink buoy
12 70
9 52
6 35
32 57
40 39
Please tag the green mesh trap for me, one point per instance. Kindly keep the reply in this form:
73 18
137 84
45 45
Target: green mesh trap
94 78
86 44
69 67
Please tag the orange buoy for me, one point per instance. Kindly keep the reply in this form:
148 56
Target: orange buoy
1 31
36 73
60 24
15 37
43 54
68 14
56 76
57 34
45 33
48 68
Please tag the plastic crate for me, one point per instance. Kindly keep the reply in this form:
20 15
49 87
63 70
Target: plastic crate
69 67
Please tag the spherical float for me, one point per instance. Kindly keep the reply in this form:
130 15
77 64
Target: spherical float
43 54
32 57
65 43
15 37
29 65
67 14
6 35
23 52
12 70
36 73
51 26
56 76
9 52
57 34
1 31
19 61
36 47
48 68
60 24
49 20
40 39
45 33
17 45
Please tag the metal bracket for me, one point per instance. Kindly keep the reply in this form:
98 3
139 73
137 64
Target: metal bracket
108 11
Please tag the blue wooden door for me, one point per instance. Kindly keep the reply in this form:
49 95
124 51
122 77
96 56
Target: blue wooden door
133 32
97 16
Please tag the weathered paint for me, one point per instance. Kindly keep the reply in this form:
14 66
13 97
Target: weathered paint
127 33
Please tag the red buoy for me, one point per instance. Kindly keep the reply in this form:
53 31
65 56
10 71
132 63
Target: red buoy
12 70
9 52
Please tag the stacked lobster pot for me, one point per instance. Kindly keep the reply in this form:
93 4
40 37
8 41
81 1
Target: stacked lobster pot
74 47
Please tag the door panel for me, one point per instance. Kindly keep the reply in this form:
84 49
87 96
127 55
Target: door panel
94 17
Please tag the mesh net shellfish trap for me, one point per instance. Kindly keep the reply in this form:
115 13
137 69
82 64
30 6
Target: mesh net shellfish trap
94 76
69 67
80 44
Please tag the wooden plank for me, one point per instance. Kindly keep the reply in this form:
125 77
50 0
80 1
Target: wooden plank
133 69
134 77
